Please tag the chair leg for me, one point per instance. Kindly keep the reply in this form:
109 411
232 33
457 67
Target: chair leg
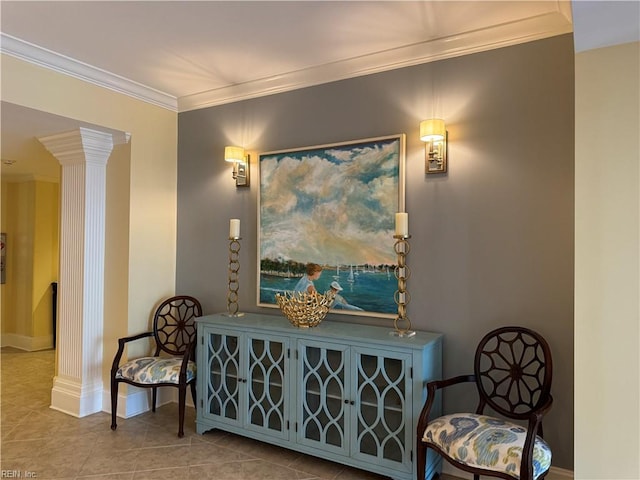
182 397
114 403
193 394
421 459
154 396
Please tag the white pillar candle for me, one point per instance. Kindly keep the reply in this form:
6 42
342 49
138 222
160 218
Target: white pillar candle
402 224
234 228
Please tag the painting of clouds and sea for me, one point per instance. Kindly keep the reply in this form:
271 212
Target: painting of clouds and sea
332 205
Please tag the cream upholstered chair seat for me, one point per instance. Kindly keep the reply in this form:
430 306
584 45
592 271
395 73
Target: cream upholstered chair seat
154 370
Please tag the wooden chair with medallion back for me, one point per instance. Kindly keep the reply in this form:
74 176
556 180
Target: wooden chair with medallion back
174 334
512 375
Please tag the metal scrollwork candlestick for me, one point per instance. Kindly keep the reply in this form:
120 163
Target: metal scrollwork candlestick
234 284
402 323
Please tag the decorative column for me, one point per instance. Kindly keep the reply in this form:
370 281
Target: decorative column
83 154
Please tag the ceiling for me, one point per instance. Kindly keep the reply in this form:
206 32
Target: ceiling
188 55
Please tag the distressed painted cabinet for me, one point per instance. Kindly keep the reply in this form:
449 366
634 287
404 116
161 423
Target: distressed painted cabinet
347 393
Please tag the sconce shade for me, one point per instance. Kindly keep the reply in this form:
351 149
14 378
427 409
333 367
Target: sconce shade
432 130
234 154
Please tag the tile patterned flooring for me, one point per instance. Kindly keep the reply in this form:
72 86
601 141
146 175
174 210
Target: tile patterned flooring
42 443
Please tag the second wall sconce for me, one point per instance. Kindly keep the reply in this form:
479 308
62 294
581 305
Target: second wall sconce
240 160
434 133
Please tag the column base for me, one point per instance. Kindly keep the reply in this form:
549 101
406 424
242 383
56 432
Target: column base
71 397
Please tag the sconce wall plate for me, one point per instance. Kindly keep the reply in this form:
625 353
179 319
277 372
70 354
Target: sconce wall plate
242 171
434 133
241 164
436 155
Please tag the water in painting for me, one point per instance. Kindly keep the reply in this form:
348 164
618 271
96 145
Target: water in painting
371 289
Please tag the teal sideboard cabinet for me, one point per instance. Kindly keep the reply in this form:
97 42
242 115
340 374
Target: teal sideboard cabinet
344 392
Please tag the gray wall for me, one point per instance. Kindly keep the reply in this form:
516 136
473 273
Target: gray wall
492 240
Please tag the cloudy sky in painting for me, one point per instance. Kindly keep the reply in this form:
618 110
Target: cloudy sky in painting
332 205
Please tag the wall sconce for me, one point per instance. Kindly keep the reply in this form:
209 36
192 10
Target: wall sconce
434 133
240 162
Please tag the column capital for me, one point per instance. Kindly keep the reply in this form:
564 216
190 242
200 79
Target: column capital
81 146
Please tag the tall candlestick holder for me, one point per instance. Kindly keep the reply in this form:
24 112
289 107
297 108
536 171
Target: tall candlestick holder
234 284
401 323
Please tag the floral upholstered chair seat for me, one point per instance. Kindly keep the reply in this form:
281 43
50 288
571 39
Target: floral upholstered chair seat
155 370
486 442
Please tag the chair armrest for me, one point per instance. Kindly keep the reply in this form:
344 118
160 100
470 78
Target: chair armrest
438 384
534 426
124 340
535 418
189 354
423 419
121 344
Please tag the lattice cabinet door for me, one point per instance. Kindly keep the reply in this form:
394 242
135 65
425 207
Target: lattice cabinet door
324 406
382 422
267 379
221 399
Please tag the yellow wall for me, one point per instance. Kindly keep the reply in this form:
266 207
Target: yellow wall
30 220
3 216
147 243
18 224
45 256
607 263
17 215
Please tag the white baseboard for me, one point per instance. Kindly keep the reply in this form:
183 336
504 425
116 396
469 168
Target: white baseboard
555 473
73 398
28 344
137 400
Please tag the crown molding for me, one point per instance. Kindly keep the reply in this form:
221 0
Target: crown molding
497 36
43 57
556 22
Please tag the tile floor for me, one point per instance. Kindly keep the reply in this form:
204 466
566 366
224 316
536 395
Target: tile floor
41 443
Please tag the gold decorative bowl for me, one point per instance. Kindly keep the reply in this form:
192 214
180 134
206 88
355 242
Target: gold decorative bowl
303 309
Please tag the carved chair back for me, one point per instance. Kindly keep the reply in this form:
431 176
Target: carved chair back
513 369
174 326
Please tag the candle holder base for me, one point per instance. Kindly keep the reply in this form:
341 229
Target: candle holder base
399 333
237 314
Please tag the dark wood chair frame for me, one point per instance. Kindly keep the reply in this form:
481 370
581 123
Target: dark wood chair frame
174 332
490 358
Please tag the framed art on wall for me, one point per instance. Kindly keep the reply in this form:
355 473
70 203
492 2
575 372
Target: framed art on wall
332 205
